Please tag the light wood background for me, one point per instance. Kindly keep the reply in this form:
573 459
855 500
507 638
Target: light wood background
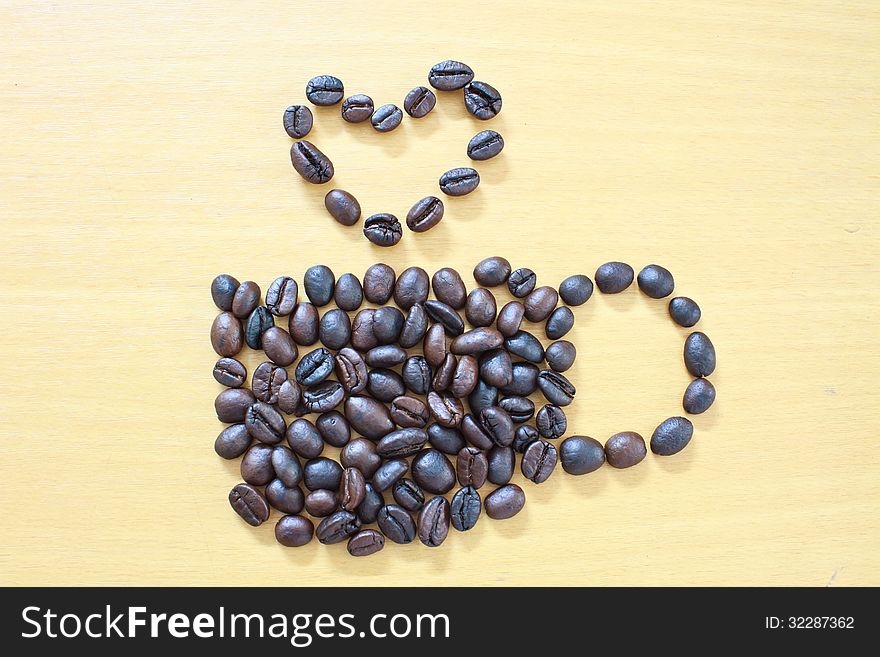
733 142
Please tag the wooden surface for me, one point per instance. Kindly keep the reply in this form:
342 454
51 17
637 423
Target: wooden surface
733 142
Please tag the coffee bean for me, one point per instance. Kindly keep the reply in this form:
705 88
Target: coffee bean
525 345
539 461
560 355
233 441
524 381
337 527
289 396
414 327
349 294
352 489
343 207
475 433
560 322
523 437
298 121
433 525
416 375
368 511
433 472
576 290
379 283
672 436
465 377
351 370
434 344
505 502
303 324
510 318
446 439
407 494
256 465
492 272
230 373
520 409
521 282
465 508
482 396
581 455
481 308
699 354
419 102
389 473
614 277
310 163
425 214
258 322
386 118
396 523
361 453
496 369
449 75
446 315
699 396
485 145
482 100
684 311
334 330
304 439
321 503
281 296
362 336
223 289
279 346
656 281
498 424
446 409
246 299
556 388
368 417
443 375
365 543
322 472
409 412
250 504
294 531
385 385
285 499
449 288
357 108
625 449
334 428
411 287
324 90
226 335
319 284
551 421
383 229
502 461
286 466
471 467
476 341
323 397
401 443
385 356
460 181
314 367
540 303
232 404
264 423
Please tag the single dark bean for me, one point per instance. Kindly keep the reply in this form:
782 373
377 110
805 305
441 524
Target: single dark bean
303 324
357 108
230 373
304 439
281 297
684 311
560 322
434 344
446 315
419 102
510 318
699 354
379 283
485 145
551 421
387 324
396 523
672 436
289 396
389 473
523 437
524 381
477 340
576 290
614 277
352 489
449 288
383 229
433 525
481 308
540 303
496 368
525 345
581 455
482 100
365 543
449 75
521 282
351 370
334 330
385 384
460 181
446 409
407 494
258 322
337 527
465 377
349 294
323 397
699 396
386 118
560 355
505 502
285 499
250 504
297 121
475 433
471 467
411 287
361 453
223 289
314 367
286 466
625 449
368 511
447 439
319 284
539 461
334 428
227 337
520 409
414 327
416 375
362 336
401 443
425 214
294 531
497 423
310 163
264 423
321 503
501 463
246 299
322 472
656 281
343 207
324 90
279 346
492 272
443 375
385 356
482 396
465 508
433 472
408 412
233 441
556 388
232 404
256 465
368 417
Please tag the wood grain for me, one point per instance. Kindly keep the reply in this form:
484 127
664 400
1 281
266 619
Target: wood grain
733 142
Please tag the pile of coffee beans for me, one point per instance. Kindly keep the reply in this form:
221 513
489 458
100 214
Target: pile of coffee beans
429 399
482 100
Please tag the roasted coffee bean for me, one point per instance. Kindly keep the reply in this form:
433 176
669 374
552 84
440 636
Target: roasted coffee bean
419 102
446 409
625 449
383 229
449 75
246 299
281 296
449 288
256 465
264 423
523 437
672 436
361 453
425 214
321 503
365 543
368 417
407 494
699 396
343 207
433 524
485 145
285 499
525 345
250 504
447 439
520 409
492 272
297 121
314 367
560 322
357 108
510 318
349 294
414 327
460 181
286 466
497 423
303 324
362 336
385 356
304 439
656 281
409 412
684 311
505 502
540 303
551 421
322 472
337 527
379 283
521 282
539 461
411 287
334 428
482 396
352 489
465 377
481 308
387 324
233 441
433 472
401 443
556 388
560 355
351 370
471 467
385 385
699 354
474 432
465 508
389 473
575 290
524 381
294 531
482 100
279 346
227 338
496 368
319 284
416 374
334 330
581 455
614 277
232 404
310 163
501 463
230 373
289 396
396 523
223 289
434 344
443 375
324 90
368 511
386 118
477 340
323 397
446 315
258 322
